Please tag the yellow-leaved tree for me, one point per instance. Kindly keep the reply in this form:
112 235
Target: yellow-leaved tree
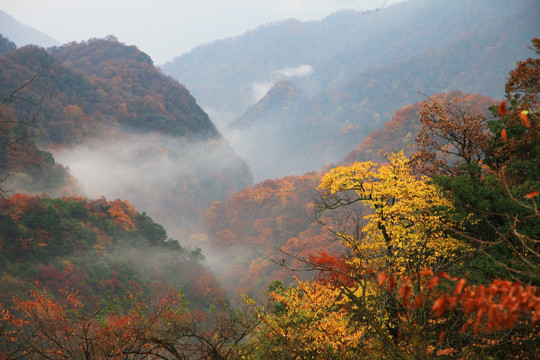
309 321
408 226
395 225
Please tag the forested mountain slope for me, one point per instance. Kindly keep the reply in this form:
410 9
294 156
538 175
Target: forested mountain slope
100 248
124 129
275 219
6 45
393 57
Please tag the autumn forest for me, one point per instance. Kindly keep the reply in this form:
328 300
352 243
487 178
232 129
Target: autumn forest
136 222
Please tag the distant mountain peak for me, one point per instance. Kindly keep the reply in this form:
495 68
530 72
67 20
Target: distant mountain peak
22 34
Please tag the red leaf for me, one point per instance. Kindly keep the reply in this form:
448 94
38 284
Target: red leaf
503 135
433 282
460 286
525 118
382 278
441 337
479 315
531 195
405 292
445 275
426 272
466 325
418 301
512 319
502 108
439 307
391 282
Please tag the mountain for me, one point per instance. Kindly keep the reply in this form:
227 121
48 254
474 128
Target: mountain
269 53
23 35
275 219
123 128
101 248
120 85
386 60
6 45
26 168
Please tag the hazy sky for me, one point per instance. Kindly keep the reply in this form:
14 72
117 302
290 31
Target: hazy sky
165 29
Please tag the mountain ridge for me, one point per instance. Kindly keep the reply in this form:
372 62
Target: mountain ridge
121 126
22 34
331 122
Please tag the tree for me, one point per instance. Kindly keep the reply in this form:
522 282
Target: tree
349 310
408 227
135 327
523 85
453 136
6 45
14 135
308 321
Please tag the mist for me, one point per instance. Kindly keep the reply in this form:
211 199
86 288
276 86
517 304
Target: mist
261 87
276 136
170 179
271 152
264 141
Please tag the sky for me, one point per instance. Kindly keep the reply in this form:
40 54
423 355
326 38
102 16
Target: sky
165 29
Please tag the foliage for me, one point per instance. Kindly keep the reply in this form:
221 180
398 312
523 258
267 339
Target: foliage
158 327
308 321
408 228
267 220
23 167
99 94
278 213
95 246
6 45
453 137
485 178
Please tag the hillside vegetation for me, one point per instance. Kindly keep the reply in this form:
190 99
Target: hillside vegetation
118 123
433 254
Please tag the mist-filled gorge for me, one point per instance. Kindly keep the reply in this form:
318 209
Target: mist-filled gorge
364 185
164 176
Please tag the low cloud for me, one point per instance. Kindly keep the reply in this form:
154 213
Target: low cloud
261 87
301 70
170 179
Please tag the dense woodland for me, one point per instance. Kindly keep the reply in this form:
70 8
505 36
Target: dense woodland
421 243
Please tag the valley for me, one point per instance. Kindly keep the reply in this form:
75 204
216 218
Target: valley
323 189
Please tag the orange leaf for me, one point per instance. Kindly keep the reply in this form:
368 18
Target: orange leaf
502 108
525 118
391 282
503 135
426 272
476 324
460 286
444 275
466 325
531 195
512 319
439 307
418 301
441 337
382 278
433 282
405 292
